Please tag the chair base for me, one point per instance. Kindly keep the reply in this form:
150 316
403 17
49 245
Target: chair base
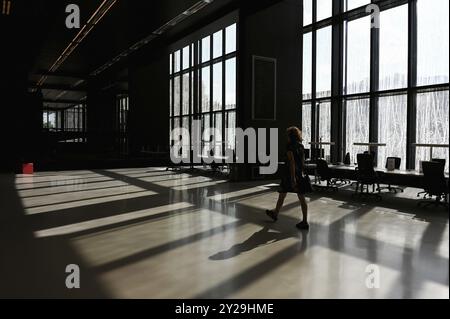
438 202
392 189
360 193
332 184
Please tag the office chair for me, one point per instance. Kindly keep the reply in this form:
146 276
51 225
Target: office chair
307 153
347 159
439 160
425 192
398 163
324 173
366 176
434 184
317 153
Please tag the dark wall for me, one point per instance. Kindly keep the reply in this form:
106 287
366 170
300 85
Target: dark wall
271 29
274 33
101 118
149 100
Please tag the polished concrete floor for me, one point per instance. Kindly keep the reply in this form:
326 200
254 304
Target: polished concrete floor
149 233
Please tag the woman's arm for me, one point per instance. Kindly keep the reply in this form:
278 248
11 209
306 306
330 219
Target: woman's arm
291 159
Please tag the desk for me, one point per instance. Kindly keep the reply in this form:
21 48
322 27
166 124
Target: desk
408 178
370 145
431 146
322 143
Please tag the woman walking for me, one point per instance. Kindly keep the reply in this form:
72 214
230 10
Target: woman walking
294 178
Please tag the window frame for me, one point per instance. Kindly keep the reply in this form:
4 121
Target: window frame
338 114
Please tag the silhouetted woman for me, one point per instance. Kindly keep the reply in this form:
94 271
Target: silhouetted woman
294 178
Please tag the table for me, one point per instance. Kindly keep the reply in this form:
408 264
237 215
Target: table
371 145
409 178
322 143
431 146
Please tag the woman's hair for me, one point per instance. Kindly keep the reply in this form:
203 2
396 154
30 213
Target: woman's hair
294 134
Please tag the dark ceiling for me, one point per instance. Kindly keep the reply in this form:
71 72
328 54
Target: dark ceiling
42 24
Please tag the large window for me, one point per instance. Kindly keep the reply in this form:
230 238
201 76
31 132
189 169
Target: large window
392 122
394 48
307 12
317 70
324 120
389 81
122 110
432 42
357 126
324 9
357 58
75 121
307 66
306 123
432 125
352 4
49 120
212 65
323 82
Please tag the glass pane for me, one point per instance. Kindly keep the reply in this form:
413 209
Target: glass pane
170 63
217 44
230 38
186 81
432 42
324 9
218 126
307 12
325 125
217 86
306 124
392 121
177 96
358 56
185 141
205 89
176 123
307 66
170 131
394 48
205 125
170 97
352 4
192 94
177 61
206 49
186 57
230 84
231 124
432 125
323 86
357 126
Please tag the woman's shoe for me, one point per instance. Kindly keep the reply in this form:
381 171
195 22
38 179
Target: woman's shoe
272 215
302 226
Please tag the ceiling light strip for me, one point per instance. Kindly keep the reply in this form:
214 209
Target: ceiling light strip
99 13
193 9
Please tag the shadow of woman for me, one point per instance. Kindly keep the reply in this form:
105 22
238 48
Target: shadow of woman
258 239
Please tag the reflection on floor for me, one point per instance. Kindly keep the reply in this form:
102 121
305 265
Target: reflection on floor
149 233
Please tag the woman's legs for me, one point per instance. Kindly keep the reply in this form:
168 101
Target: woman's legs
280 202
304 206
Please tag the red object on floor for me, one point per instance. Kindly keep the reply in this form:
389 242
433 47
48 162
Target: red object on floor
28 169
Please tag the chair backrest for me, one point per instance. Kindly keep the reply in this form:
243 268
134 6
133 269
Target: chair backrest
434 179
365 165
347 159
398 162
317 153
439 160
307 153
322 169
